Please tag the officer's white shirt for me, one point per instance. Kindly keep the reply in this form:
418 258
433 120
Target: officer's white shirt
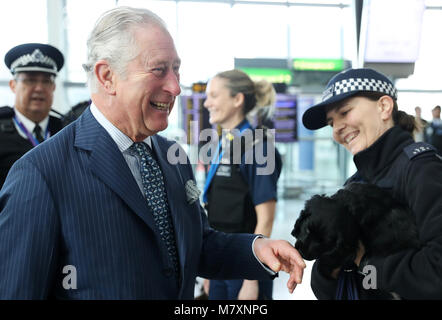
29 124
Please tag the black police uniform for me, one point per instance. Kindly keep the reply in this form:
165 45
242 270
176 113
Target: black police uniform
233 192
13 145
412 173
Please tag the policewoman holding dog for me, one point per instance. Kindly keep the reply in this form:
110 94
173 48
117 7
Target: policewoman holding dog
238 199
361 107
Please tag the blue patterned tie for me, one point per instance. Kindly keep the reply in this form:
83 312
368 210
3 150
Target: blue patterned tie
155 193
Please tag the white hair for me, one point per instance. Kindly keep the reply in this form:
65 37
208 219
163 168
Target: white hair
112 39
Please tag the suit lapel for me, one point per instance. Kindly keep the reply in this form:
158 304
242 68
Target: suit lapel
109 165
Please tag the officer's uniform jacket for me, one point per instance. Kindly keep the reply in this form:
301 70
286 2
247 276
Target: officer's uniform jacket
236 188
13 145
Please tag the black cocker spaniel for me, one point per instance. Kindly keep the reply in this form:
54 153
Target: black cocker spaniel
330 228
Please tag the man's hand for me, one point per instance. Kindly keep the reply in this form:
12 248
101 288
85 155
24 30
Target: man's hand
280 255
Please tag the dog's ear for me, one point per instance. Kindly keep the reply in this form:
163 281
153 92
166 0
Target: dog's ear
301 222
350 200
297 227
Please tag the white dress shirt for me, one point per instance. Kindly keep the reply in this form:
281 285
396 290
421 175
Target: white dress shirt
30 125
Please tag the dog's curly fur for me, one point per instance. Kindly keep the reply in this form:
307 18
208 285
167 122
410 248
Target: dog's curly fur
330 228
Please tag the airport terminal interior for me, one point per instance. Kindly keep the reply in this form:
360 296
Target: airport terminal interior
298 45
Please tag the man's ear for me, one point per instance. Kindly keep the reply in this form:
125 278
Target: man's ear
105 76
12 84
386 104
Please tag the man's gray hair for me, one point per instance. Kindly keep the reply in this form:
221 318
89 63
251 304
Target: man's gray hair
112 39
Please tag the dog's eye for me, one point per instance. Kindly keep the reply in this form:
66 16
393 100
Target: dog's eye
307 231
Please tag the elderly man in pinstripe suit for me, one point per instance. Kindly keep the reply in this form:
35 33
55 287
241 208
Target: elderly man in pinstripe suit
77 214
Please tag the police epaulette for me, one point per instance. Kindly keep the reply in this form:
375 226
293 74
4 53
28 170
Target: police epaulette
418 148
6 112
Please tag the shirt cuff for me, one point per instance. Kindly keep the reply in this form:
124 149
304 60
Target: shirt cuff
270 271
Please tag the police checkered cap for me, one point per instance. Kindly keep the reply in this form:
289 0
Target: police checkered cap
344 85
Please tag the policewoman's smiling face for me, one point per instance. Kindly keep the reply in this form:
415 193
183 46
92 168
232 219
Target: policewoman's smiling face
358 122
224 109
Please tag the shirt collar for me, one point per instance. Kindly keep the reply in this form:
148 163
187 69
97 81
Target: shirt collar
29 124
243 123
123 142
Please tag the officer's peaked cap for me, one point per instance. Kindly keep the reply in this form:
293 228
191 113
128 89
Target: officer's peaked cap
344 85
34 57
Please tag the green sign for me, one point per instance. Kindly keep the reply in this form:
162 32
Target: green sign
269 74
318 64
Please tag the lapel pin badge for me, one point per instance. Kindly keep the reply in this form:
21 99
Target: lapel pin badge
192 191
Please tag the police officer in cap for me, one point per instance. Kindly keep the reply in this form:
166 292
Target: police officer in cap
360 105
34 67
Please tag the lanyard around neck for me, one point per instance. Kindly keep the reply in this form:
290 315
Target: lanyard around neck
30 136
216 160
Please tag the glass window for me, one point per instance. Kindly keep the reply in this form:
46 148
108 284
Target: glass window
259 31
21 21
428 66
205 40
407 101
166 10
323 2
427 70
81 17
6 96
276 1
77 94
318 32
433 3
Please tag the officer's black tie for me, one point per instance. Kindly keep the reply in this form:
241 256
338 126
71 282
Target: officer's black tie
37 132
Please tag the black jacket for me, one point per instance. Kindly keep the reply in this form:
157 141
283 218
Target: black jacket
12 144
412 172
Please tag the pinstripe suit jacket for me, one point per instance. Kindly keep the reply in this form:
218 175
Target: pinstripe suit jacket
72 201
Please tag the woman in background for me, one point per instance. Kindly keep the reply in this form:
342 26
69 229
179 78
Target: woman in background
238 198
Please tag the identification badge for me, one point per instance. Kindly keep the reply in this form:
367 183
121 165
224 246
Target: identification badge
224 171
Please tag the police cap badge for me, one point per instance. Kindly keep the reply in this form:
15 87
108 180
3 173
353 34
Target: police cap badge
37 57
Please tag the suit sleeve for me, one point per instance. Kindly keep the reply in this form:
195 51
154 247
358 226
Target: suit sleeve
417 273
28 234
228 255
